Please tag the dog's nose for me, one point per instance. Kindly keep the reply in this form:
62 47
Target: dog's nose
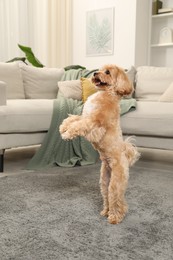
95 73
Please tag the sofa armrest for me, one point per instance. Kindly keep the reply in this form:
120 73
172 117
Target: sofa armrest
3 99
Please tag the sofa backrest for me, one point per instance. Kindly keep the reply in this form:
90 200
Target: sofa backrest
40 83
152 82
24 81
10 73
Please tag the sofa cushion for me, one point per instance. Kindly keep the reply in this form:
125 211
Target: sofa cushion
3 98
70 89
131 72
88 88
151 82
167 96
10 73
41 83
150 119
25 116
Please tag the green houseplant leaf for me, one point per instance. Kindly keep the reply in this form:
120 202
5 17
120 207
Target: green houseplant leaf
35 62
18 59
30 56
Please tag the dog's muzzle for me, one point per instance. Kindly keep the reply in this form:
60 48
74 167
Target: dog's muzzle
97 81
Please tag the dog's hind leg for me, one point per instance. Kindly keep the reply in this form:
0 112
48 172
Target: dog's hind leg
116 192
104 184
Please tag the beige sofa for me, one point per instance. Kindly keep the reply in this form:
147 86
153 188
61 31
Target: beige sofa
26 104
152 121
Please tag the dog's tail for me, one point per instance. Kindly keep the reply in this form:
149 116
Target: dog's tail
131 151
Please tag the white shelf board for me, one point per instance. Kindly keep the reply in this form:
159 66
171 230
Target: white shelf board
162 15
162 44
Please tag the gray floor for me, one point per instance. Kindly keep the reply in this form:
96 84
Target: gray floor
17 158
54 214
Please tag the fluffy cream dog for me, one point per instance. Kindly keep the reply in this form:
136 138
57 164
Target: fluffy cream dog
100 124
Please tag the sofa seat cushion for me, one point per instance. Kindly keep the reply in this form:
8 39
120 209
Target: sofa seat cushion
25 116
150 119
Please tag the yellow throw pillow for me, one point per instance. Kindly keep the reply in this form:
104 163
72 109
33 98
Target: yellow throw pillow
88 88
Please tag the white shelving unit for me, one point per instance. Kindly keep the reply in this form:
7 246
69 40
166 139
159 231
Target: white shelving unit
161 53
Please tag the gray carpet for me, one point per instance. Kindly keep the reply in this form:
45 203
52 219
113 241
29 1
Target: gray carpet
54 214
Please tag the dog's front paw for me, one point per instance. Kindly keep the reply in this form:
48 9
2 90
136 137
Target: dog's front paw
62 129
66 136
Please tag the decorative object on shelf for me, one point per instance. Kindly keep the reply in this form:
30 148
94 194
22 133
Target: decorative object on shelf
100 32
165 35
156 5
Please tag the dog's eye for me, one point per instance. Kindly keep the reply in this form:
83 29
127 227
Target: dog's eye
107 72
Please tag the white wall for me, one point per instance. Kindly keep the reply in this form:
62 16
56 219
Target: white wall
142 37
22 21
124 32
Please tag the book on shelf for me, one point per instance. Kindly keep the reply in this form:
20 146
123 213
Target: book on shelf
165 10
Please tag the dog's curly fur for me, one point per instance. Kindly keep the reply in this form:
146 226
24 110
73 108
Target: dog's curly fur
100 124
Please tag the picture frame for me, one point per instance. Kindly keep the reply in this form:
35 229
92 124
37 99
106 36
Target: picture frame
100 32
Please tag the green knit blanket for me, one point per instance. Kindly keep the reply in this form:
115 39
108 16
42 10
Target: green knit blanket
55 151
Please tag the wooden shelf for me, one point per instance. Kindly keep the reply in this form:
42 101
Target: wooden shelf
162 45
162 15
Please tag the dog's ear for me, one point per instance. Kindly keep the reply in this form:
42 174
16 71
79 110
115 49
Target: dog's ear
123 84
